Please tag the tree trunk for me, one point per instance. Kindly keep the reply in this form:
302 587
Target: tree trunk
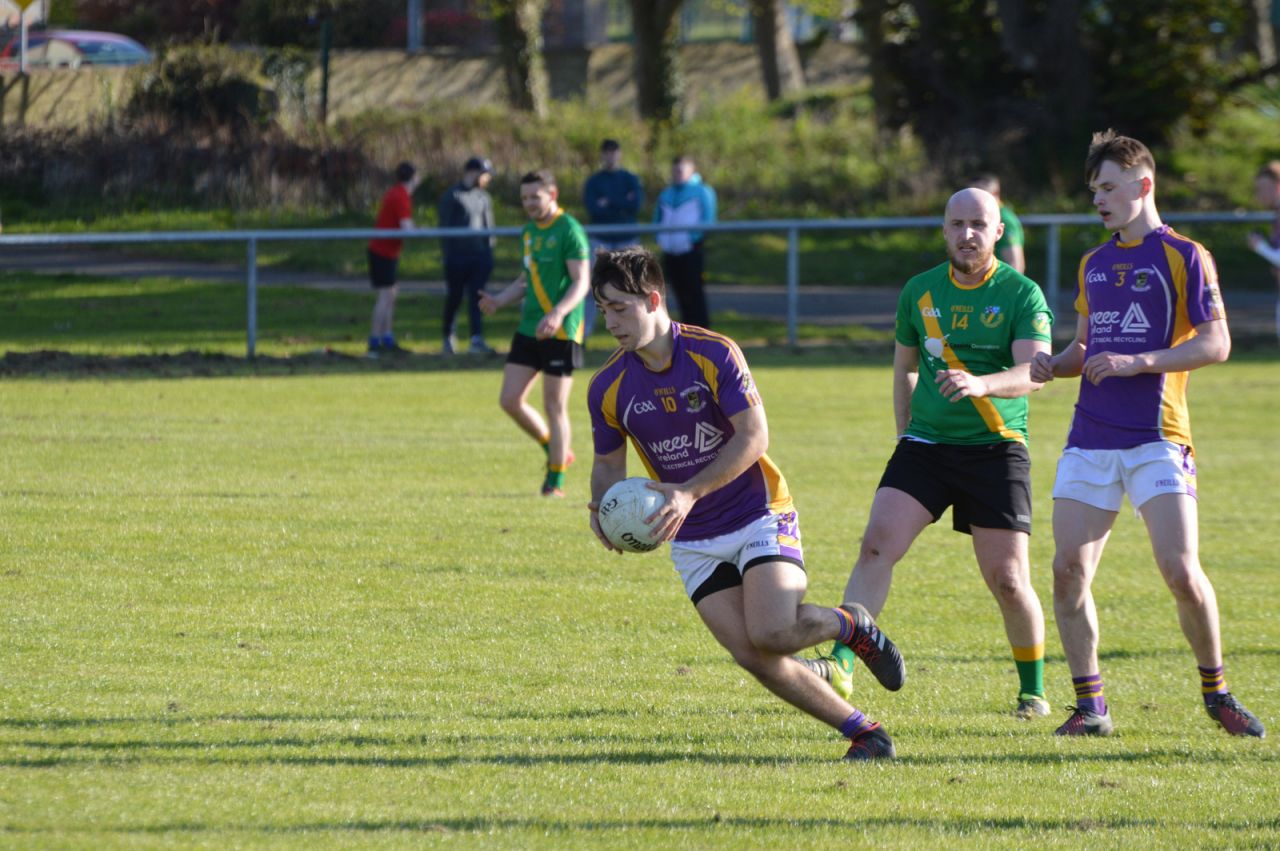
519 30
779 61
656 57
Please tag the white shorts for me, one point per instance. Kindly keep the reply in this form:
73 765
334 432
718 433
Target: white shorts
1101 477
714 564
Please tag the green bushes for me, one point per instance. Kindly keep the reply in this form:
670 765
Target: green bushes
204 86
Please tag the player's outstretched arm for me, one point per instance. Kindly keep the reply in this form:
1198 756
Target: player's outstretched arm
1067 363
1211 344
514 291
746 447
606 471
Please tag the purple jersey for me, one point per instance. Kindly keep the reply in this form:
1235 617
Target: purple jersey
1139 297
678 420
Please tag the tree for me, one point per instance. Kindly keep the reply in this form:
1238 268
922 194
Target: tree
779 59
1018 85
659 86
519 28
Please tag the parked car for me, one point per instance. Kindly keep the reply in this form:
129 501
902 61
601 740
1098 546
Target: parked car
71 49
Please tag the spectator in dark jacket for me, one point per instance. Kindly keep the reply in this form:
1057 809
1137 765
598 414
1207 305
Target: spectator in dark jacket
468 260
611 196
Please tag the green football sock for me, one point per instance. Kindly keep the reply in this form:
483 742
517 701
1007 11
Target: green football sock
844 656
555 479
1030 662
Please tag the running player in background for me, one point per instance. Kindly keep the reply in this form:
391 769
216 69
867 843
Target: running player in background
1149 312
965 335
553 282
685 398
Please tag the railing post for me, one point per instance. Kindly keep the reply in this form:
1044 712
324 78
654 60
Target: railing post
251 280
793 286
1054 259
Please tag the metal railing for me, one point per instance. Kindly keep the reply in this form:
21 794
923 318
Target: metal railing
791 227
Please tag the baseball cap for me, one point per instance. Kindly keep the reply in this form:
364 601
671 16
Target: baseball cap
479 164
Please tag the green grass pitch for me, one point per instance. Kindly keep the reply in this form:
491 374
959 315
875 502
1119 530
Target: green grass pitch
329 610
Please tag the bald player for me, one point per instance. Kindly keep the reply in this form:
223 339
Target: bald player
966 333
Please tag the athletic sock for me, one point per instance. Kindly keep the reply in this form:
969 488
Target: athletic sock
545 443
855 724
375 342
388 341
1030 663
847 627
1089 693
555 477
1212 684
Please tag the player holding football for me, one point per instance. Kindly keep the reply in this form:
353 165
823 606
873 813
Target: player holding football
556 274
965 335
1149 312
685 398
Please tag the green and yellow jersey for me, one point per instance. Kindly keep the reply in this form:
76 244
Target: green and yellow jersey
971 328
547 248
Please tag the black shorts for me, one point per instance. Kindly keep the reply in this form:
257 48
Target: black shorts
382 270
553 357
988 485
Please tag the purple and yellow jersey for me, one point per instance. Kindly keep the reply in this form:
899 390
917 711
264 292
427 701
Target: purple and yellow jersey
1138 297
678 420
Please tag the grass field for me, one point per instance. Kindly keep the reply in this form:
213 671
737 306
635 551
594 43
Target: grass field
328 610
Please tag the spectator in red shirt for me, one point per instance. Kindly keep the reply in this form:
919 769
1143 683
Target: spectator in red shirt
395 213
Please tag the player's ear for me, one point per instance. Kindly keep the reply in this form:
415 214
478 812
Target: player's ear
653 300
1146 187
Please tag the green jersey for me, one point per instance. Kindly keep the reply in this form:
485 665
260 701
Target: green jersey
1012 236
547 248
970 328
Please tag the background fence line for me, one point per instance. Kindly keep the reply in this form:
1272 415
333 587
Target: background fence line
1053 222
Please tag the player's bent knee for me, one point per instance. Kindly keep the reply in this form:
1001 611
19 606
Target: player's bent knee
1185 583
772 641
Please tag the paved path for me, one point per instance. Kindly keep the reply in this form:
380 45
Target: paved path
1251 312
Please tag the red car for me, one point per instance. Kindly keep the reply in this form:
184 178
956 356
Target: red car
71 49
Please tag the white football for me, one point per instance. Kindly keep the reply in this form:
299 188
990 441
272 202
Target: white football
623 509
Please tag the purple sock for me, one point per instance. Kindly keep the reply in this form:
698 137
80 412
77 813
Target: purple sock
1089 693
855 724
1212 684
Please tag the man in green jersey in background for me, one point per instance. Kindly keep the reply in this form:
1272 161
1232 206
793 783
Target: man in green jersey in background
965 336
1010 246
555 278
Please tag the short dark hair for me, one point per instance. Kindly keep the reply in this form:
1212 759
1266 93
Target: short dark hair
405 172
542 175
634 271
987 182
682 158
1124 151
610 145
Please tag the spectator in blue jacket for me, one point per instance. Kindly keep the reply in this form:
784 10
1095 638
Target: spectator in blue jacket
468 260
611 196
687 201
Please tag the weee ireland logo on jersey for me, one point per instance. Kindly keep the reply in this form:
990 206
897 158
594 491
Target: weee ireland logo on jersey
1135 321
707 437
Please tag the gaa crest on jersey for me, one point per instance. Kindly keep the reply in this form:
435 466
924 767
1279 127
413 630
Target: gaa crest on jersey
1040 323
992 316
694 401
1142 280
